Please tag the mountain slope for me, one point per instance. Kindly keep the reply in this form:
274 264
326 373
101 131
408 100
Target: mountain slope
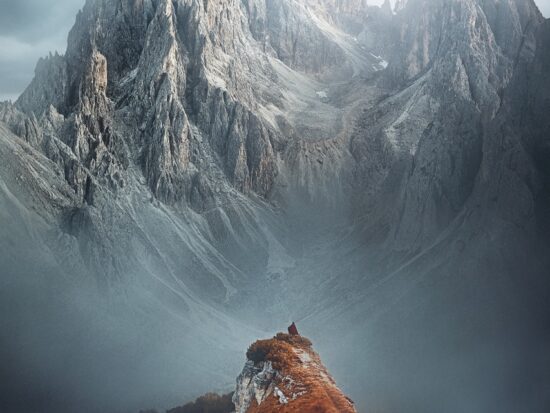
202 171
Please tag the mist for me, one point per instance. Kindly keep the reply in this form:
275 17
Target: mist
402 345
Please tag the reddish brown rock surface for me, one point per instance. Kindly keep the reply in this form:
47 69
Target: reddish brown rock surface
285 374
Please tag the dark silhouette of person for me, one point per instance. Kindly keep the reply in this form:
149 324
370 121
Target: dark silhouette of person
293 330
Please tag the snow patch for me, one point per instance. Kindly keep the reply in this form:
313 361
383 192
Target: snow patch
381 64
322 94
280 395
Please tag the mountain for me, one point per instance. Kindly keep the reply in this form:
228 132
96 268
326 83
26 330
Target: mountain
190 174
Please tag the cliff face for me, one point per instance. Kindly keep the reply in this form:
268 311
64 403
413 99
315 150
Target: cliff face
209 403
284 374
170 69
453 65
189 71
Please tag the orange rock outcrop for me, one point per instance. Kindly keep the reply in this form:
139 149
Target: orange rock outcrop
284 374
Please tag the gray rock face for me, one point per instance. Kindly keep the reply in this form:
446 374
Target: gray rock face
307 35
255 383
455 63
163 44
288 33
187 65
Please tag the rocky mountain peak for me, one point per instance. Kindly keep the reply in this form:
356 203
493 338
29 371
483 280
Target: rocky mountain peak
285 374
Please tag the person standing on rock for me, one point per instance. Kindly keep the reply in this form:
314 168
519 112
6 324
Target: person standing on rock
293 330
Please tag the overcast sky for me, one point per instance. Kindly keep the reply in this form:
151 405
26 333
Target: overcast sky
29 29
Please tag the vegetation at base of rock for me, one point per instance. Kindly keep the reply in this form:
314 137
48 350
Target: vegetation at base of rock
209 403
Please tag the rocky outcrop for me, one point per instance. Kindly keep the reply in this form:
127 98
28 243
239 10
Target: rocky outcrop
27 127
49 86
285 374
307 35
